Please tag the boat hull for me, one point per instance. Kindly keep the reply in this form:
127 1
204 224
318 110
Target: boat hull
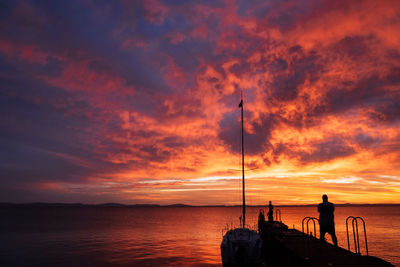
241 247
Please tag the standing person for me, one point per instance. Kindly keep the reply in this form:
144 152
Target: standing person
270 212
326 219
261 220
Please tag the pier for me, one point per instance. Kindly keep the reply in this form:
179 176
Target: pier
289 247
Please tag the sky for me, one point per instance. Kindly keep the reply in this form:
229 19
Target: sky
137 101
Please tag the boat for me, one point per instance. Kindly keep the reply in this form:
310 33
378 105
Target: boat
241 246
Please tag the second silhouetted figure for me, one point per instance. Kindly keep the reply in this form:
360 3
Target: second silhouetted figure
270 212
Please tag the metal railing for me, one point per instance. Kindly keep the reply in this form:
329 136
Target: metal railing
354 222
278 212
313 219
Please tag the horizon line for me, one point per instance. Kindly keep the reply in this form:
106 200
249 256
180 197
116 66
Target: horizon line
110 204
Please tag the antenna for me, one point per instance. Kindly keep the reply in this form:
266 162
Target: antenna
243 191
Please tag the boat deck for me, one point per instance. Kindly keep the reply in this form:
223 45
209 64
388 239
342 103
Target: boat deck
290 247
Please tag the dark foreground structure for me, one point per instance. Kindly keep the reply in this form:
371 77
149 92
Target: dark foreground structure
290 247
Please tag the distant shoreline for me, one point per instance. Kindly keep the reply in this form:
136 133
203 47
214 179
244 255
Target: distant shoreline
44 204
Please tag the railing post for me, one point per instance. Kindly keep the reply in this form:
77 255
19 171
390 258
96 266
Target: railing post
278 211
347 231
302 223
308 233
365 235
313 219
356 234
315 229
358 238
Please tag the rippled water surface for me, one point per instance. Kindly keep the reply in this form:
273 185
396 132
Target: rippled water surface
173 236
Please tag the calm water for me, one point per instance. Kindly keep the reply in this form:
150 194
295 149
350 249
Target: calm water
183 236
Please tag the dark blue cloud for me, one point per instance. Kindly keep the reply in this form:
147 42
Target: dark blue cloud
327 150
256 142
286 83
75 31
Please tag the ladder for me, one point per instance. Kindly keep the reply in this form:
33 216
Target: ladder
354 222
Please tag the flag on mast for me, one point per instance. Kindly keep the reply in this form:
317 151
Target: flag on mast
241 103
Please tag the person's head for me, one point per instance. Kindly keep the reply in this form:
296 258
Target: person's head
325 198
270 202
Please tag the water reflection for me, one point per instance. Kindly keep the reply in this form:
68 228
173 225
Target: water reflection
159 236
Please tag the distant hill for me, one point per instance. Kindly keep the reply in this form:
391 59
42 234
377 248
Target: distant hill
43 204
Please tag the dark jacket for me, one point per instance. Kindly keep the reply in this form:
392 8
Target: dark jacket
326 210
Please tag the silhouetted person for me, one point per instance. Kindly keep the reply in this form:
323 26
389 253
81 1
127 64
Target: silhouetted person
326 219
261 220
270 212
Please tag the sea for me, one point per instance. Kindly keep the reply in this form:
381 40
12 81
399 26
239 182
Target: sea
162 236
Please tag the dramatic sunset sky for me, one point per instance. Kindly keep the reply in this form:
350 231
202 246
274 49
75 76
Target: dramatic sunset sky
137 101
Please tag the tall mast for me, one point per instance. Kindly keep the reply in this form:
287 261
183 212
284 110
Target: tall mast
244 199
